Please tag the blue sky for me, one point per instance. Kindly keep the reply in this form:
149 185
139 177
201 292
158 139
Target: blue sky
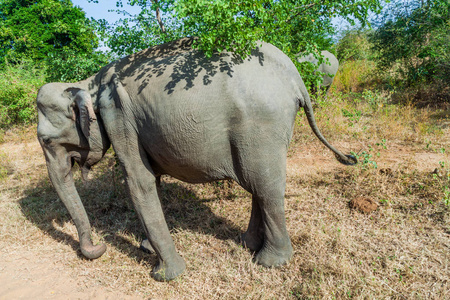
101 9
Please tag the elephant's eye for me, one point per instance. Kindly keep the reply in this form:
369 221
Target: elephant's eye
46 140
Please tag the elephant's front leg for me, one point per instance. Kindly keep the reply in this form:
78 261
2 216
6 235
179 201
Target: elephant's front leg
142 185
144 194
145 244
141 181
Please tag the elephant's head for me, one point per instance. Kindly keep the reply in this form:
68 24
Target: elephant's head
69 131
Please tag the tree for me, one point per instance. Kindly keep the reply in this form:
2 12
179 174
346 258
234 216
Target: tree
136 32
34 28
415 36
45 31
235 25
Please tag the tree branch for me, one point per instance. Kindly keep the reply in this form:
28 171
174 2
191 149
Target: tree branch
303 8
158 17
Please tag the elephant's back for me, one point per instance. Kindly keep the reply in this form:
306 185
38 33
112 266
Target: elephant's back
176 68
264 86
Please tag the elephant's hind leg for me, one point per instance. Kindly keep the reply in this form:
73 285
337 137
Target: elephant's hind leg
276 249
267 231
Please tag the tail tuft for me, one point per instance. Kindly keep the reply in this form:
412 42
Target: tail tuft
348 160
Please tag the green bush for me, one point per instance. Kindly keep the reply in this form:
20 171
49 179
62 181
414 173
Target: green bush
69 66
18 88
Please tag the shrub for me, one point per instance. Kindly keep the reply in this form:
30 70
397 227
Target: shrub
18 88
415 38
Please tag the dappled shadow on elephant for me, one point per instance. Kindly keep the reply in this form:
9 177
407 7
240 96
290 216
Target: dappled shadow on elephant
182 67
111 214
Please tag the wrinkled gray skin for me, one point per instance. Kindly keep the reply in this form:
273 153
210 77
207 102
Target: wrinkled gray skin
330 67
170 110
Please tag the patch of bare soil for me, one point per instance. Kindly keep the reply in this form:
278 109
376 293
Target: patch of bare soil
25 274
364 204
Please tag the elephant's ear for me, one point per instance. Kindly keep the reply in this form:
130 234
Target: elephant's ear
82 99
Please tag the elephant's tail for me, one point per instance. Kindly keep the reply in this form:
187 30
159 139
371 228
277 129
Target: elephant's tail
342 158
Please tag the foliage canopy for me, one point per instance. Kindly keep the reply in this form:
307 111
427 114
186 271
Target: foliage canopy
237 25
353 45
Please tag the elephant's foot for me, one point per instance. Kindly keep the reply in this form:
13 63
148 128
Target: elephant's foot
273 257
146 247
169 270
92 251
252 241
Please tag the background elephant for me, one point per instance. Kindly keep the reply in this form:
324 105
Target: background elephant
170 110
329 67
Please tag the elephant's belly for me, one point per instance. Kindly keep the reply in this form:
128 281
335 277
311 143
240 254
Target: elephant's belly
193 159
191 169
191 174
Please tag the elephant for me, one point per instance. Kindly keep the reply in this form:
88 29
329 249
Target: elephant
329 67
171 110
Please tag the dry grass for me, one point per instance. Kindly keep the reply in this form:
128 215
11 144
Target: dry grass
354 76
399 251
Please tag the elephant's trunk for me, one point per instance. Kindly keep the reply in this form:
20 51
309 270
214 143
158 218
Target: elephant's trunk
59 170
344 159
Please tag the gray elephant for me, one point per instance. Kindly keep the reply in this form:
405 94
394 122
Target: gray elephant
329 67
171 110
